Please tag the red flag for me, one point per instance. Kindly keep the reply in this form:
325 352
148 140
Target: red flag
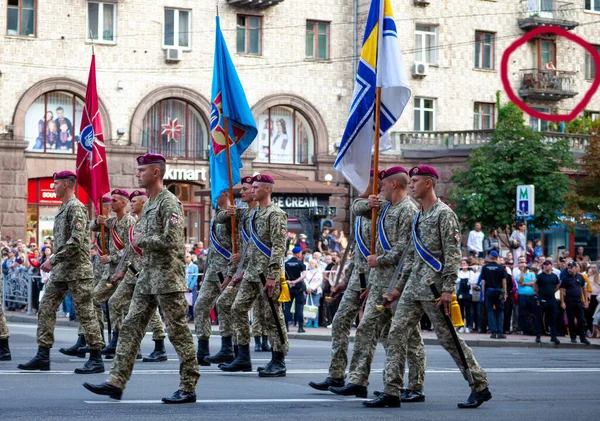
92 169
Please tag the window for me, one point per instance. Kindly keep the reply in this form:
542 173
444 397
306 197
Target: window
426 44
484 116
52 123
592 5
546 52
102 21
484 50
21 18
317 40
424 114
175 128
590 65
177 28
249 35
592 115
284 136
539 125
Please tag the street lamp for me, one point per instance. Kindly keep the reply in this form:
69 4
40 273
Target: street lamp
328 178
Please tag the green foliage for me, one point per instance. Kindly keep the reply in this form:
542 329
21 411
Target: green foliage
515 155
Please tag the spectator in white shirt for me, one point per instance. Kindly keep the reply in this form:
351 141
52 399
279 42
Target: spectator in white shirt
475 241
314 282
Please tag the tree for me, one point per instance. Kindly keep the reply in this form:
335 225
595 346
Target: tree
515 155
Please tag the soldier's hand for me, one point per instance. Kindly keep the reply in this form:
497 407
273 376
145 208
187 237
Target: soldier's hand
47 266
236 258
100 219
270 287
136 238
374 201
231 209
445 301
372 261
226 282
118 276
364 295
104 259
236 279
391 296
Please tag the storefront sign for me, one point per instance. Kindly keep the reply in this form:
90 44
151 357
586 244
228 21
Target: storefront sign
185 174
298 201
47 194
40 191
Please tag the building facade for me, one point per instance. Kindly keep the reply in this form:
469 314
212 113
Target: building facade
296 60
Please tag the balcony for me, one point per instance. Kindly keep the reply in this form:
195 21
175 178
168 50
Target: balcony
536 13
254 4
547 85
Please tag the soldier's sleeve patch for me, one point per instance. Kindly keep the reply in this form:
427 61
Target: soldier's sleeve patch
78 223
457 236
174 219
284 229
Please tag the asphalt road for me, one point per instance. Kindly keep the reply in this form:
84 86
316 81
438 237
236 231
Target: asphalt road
527 384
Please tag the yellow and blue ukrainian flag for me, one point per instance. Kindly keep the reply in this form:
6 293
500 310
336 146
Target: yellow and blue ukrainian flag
380 65
228 100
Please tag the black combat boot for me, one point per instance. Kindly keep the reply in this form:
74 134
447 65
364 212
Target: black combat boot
93 365
225 354
257 344
329 381
202 352
350 389
409 395
111 348
277 366
105 389
383 401
475 399
180 396
41 361
74 350
159 354
242 362
265 344
4 350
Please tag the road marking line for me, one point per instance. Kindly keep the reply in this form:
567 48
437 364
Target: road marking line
217 401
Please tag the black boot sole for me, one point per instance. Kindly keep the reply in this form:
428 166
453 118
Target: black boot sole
237 370
357 394
113 395
22 367
5 358
387 405
154 360
93 371
267 374
322 388
71 353
167 401
421 399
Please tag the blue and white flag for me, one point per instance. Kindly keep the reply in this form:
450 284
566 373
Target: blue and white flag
380 65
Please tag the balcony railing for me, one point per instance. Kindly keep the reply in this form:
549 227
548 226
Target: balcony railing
536 13
254 4
447 141
547 85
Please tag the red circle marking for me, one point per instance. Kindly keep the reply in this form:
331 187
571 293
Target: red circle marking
563 33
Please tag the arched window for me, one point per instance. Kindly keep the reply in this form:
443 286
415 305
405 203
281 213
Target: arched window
52 123
285 137
176 129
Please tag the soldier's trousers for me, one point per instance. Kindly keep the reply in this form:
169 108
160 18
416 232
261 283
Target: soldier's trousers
258 319
174 308
96 280
81 291
207 297
407 317
340 332
119 306
101 294
224 304
3 328
248 293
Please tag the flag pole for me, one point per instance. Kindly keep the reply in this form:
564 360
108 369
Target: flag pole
229 174
375 167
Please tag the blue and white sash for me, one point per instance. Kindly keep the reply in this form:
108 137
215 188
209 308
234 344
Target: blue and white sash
383 238
220 248
245 233
428 257
264 247
359 240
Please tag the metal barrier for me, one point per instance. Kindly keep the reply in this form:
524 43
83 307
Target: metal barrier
17 288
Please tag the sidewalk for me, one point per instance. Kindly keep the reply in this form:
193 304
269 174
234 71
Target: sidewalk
324 334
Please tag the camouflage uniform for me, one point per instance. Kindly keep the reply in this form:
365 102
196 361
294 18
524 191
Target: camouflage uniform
259 322
211 286
3 328
72 272
101 291
397 225
98 271
121 299
270 224
439 232
161 282
350 304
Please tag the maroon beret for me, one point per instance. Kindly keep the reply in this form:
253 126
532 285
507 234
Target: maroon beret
62 175
247 180
106 199
150 158
120 192
391 171
424 170
137 193
264 178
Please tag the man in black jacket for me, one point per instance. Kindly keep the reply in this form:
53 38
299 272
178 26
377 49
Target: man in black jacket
493 288
546 285
571 291
295 273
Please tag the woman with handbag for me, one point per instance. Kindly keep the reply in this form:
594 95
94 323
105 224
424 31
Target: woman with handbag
518 241
314 290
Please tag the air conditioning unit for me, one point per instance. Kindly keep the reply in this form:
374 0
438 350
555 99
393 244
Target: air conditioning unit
173 54
420 69
422 3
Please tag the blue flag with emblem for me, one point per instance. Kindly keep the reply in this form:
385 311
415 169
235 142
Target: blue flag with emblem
228 100
381 66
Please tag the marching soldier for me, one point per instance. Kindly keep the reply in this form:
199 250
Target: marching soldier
219 253
268 230
161 282
434 255
229 348
118 228
71 272
395 216
121 299
4 334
